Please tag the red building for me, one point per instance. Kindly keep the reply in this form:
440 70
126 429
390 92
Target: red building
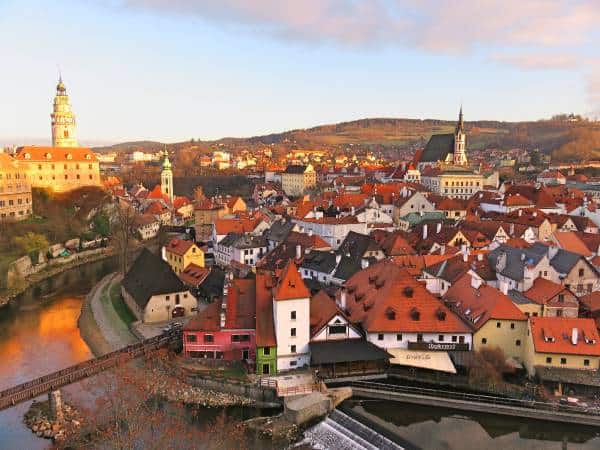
226 328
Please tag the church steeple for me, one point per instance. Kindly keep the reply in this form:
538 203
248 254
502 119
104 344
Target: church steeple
64 128
166 177
460 142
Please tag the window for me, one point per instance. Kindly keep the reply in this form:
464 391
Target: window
209 338
586 362
419 337
168 297
484 340
245 338
267 351
235 338
192 338
518 342
581 272
293 349
563 360
337 329
293 363
453 338
293 332
399 337
548 360
177 301
561 297
441 338
293 315
461 339
512 326
498 324
380 337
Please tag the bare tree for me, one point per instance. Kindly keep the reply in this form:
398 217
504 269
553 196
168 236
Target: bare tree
125 415
124 220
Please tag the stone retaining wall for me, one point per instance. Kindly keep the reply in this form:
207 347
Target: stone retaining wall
257 393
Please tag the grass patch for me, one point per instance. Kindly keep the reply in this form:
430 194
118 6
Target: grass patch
120 306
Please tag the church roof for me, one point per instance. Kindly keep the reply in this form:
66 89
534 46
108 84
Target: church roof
438 147
53 154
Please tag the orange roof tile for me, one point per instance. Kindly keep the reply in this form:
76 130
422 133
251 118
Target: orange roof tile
290 285
569 240
179 246
477 306
265 329
77 154
553 335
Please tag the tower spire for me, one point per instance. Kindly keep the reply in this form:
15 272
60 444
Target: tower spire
460 126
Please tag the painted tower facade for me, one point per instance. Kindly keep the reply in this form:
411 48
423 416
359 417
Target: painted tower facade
460 142
64 128
166 178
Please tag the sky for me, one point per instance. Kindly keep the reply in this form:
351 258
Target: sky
172 70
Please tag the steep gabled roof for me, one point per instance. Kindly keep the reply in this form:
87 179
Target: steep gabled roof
265 328
150 275
290 285
438 147
478 305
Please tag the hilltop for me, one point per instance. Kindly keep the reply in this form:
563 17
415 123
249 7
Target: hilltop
389 134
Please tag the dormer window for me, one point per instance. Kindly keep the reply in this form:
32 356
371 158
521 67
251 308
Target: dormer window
48 156
27 155
88 156
69 156
415 314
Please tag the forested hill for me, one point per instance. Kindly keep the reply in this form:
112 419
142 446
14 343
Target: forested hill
563 138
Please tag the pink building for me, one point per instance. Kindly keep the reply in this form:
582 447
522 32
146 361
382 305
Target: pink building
226 328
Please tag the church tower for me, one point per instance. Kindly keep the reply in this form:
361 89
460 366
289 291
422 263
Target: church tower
166 178
460 142
64 130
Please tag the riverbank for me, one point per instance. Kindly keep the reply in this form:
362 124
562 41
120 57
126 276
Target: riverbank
8 295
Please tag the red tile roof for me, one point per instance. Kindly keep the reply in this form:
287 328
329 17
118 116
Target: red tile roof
322 309
194 275
386 298
477 306
569 240
178 246
290 285
77 154
265 329
553 335
237 225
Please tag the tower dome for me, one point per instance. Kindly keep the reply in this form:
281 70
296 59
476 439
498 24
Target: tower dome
64 128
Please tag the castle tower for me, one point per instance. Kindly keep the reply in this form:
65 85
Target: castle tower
64 129
166 178
460 142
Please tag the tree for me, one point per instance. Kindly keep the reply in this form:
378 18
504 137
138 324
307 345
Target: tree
125 217
31 242
126 415
491 364
101 224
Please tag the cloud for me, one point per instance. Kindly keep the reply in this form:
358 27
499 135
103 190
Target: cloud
529 34
431 24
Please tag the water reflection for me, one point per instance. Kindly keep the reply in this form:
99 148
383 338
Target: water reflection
39 334
441 428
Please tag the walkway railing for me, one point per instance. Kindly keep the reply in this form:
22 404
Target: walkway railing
482 398
53 381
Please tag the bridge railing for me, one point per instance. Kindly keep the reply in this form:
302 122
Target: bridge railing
455 395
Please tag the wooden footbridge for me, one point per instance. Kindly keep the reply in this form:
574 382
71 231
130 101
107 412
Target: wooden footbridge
54 381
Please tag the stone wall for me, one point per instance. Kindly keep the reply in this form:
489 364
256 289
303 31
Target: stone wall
257 393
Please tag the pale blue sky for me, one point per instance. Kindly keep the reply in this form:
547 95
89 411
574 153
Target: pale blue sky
172 70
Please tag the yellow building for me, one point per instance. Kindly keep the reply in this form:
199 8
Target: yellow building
179 254
15 190
59 168
64 166
563 351
495 320
297 179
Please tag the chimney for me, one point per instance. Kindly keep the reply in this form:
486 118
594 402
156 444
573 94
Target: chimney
443 249
480 257
475 282
574 336
523 256
424 231
298 251
504 288
364 263
343 299
438 227
511 230
352 211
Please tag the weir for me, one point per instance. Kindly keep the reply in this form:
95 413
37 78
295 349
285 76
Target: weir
340 431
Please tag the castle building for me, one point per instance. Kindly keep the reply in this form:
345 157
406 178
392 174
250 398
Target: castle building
64 166
15 190
166 178
64 129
